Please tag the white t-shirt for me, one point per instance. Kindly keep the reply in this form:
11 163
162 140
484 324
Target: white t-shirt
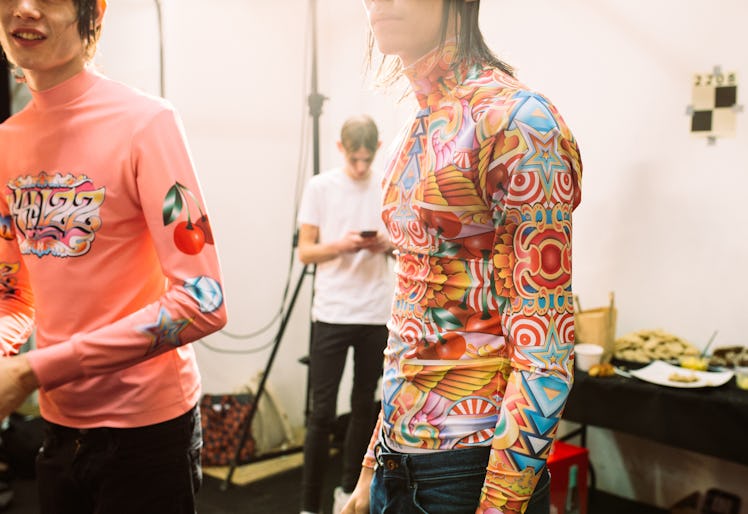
355 287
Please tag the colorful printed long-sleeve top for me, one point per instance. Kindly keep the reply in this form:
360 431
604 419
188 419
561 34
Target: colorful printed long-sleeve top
106 245
478 201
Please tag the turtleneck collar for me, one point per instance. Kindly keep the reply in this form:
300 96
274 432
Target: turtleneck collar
66 91
432 76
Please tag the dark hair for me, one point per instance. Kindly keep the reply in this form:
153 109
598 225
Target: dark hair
359 132
471 47
89 31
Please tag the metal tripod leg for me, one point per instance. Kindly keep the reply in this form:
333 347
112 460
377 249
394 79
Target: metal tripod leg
261 387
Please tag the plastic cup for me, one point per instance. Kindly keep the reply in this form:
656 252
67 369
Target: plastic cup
741 376
587 355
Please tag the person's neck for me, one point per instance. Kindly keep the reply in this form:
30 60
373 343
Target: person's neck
433 75
64 92
353 176
44 79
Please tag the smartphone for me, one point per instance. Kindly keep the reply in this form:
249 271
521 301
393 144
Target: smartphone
368 233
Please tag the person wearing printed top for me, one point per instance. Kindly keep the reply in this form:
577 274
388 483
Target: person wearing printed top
478 202
107 248
341 231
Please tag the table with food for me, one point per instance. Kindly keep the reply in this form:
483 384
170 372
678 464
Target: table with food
659 386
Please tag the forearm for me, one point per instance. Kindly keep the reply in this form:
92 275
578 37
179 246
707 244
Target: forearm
359 500
17 312
370 457
25 375
17 381
514 468
175 320
319 252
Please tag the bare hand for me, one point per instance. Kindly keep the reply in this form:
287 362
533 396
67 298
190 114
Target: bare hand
351 242
380 244
358 503
17 382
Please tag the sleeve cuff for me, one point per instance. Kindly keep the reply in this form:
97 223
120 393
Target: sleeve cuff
369 461
55 365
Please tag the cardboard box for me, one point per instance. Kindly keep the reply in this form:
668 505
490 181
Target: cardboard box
597 326
568 463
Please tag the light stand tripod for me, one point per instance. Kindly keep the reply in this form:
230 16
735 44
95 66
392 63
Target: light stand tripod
315 101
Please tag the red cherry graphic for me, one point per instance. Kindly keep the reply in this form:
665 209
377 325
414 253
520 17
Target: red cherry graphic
422 350
204 225
189 238
479 245
498 176
458 310
451 346
446 223
488 323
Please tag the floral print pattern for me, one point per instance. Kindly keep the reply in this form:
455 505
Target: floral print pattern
478 202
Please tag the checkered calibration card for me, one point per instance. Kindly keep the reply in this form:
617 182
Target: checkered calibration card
714 104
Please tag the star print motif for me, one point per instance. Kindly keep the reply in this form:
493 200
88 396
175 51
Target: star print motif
164 332
542 155
553 354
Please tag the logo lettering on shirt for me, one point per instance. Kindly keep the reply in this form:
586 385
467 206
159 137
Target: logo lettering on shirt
55 214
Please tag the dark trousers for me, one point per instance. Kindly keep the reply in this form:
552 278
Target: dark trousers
327 357
446 482
149 470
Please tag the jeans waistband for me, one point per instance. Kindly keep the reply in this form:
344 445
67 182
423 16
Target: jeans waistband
167 427
433 464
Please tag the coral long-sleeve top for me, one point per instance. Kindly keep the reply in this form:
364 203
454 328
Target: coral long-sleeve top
106 246
478 202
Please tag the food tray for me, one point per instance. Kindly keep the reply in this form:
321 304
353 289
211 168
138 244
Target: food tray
660 372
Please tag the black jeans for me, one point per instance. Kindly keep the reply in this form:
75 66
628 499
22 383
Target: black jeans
147 470
329 348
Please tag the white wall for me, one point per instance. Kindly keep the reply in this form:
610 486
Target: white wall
662 221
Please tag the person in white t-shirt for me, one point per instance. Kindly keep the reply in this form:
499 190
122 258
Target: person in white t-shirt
340 230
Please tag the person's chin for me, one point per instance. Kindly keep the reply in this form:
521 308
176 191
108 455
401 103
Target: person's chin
355 175
388 43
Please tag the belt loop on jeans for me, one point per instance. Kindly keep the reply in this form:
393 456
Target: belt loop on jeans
396 461
378 453
390 460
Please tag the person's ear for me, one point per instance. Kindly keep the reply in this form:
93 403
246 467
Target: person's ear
379 144
341 148
100 10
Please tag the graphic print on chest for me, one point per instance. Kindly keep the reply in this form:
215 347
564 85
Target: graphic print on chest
404 177
55 214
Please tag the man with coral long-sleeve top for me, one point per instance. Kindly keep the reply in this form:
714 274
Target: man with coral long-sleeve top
106 249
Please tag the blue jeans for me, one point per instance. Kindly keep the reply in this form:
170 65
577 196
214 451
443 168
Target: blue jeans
447 482
147 470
